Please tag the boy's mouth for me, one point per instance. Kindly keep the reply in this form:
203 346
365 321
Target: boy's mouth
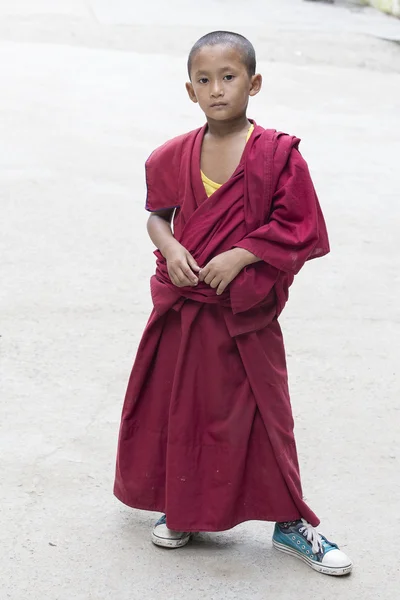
218 104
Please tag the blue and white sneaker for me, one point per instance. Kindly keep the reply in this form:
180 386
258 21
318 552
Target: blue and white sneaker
168 538
302 540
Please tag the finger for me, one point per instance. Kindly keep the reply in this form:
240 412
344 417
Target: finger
172 276
185 278
215 282
178 278
209 277
174 280
221 288
203 273
189 275
193 264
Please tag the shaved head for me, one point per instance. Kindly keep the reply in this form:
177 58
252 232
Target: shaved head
227 38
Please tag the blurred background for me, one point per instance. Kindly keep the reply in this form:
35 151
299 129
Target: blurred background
88 90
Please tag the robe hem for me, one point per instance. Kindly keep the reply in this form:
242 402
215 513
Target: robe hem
210 528
151 210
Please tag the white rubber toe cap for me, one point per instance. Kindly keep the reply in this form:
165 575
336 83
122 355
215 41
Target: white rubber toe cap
162 531
162 536
336 559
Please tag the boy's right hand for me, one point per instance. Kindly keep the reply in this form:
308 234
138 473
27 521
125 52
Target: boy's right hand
181 265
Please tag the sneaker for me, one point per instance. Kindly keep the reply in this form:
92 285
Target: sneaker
302 540
162 536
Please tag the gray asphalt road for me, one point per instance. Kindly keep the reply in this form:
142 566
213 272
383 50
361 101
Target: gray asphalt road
88 90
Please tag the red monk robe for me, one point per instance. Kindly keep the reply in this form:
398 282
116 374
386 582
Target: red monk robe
207 427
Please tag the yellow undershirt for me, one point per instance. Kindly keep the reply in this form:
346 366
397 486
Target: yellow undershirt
211 186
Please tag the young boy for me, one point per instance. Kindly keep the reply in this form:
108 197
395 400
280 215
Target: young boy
207 429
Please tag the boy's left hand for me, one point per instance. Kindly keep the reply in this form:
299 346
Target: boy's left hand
223 269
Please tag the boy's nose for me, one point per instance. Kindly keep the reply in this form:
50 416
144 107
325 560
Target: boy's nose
217 90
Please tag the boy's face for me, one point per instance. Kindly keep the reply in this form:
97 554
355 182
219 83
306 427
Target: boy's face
220 82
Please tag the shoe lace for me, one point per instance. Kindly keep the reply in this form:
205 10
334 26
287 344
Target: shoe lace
312 536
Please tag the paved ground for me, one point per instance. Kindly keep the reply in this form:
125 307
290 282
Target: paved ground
88 89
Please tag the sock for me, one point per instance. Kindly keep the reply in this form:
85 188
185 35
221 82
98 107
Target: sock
287 524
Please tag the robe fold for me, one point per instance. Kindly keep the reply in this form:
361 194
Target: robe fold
207 429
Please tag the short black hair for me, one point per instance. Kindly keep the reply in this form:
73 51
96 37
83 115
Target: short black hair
228 38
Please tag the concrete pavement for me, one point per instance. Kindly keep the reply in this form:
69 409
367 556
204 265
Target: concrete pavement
88 89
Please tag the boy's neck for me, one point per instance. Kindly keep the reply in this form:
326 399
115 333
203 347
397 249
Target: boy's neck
227 128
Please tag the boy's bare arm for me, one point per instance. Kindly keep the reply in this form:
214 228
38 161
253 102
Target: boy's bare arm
181 264
159 230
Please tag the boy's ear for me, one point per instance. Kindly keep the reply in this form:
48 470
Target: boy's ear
255 84
190 91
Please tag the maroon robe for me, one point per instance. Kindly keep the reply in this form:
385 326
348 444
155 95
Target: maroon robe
207 428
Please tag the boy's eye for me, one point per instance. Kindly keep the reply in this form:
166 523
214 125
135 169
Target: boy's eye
228 77
203 80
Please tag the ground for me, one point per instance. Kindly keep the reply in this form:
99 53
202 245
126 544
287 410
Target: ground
88 90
